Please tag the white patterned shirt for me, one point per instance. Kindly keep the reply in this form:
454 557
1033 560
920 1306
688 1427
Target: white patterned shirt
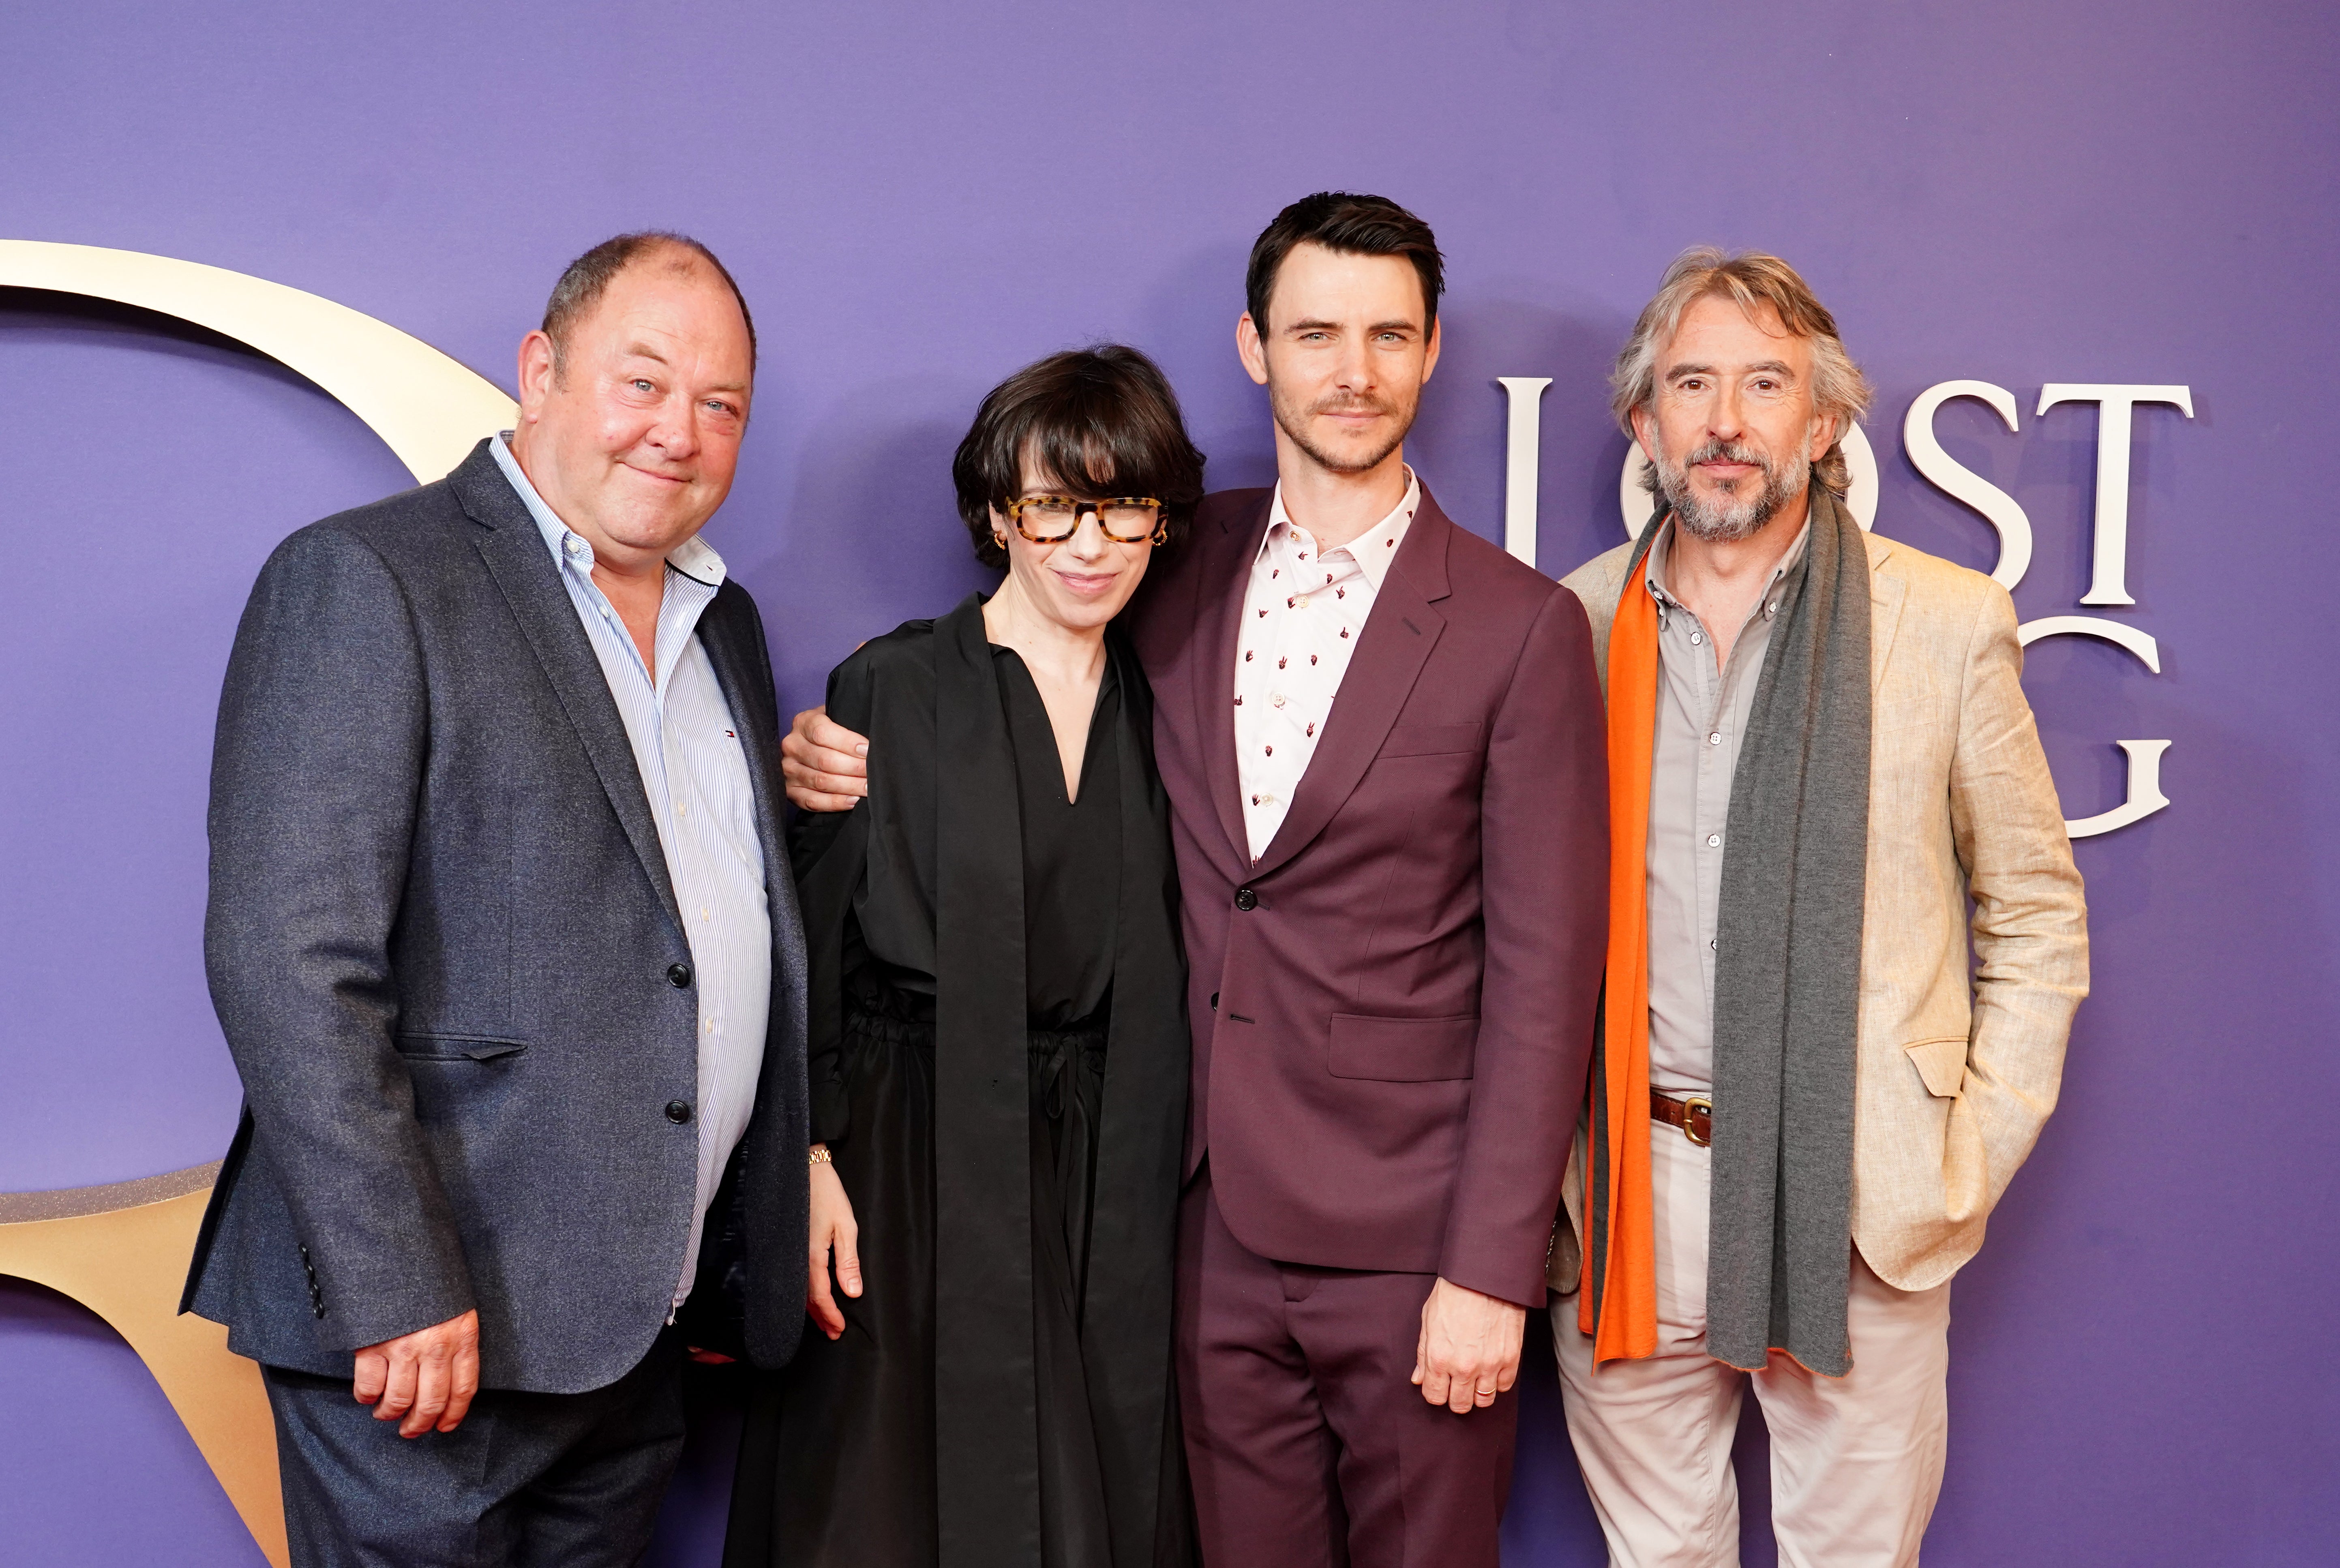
1301 615
694 770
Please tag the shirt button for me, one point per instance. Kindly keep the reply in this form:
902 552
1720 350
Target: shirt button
1709 944
1301 602
1713 840
1695 640
1715 739
1277 699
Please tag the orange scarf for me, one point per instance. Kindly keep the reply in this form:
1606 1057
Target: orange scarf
1618 1302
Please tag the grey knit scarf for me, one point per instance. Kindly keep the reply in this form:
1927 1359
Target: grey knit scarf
1787 979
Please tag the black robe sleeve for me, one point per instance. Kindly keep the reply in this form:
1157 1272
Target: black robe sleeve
885 691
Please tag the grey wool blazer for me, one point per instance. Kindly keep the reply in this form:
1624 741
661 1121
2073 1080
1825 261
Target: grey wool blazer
444 950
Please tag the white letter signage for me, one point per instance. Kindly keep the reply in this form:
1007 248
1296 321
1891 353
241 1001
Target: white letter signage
2116 402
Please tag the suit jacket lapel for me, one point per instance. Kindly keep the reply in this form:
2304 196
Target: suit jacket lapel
1886 594
1220 584
727 634
1391 651
514 550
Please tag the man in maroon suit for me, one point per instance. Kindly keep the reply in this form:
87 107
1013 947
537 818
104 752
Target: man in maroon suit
1395 917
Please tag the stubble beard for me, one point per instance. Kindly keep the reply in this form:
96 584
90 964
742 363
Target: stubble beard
1294 422
1745 507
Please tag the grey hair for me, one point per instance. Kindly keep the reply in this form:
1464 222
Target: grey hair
1750 280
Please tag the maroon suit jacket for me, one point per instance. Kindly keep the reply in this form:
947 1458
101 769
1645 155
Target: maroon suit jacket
1392 1009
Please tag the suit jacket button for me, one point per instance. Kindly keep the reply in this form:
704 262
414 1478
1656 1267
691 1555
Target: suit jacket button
679 975
1246 900
320 1309
678 1111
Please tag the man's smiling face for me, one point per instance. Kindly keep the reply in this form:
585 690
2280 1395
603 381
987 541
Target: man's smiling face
1730 425
1344 354
635 438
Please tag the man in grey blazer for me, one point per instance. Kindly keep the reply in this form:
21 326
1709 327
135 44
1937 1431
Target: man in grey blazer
502 938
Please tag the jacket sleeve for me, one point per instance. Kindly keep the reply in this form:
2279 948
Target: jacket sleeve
316 768
1544 868
2029 921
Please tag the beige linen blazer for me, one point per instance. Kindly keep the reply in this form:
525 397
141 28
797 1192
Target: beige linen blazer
1954 1075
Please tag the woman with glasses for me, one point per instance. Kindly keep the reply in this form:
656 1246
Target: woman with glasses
998 1041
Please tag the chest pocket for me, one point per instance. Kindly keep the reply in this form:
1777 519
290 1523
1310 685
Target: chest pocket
1430 739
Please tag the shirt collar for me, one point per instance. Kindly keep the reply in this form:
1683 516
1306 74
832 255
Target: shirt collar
1373 550
694 557
1654 568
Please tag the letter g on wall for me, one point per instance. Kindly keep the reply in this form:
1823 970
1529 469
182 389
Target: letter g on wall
121 1250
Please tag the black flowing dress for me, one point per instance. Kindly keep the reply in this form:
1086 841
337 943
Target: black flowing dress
995 975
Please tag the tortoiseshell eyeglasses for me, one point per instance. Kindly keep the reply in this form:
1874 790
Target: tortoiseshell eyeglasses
1052 518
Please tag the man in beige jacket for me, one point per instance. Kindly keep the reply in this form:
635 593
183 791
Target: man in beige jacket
1825 783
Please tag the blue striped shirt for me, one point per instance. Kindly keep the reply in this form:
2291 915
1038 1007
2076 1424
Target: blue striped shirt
695 772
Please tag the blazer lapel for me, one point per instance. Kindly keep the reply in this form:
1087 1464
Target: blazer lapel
514 550
1391 651
1220 584
728 638
1886 595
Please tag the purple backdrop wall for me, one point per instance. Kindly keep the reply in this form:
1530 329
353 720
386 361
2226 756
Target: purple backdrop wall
919 197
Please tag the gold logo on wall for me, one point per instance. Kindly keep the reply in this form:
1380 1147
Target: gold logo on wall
121 1250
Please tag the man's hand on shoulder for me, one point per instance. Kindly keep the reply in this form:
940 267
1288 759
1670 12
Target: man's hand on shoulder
824 765
424 1381
1469 1348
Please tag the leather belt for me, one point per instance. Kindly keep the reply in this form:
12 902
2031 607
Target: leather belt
1694 1116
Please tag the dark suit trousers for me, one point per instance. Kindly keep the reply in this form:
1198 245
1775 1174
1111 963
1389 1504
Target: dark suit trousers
1309 1444
572 1480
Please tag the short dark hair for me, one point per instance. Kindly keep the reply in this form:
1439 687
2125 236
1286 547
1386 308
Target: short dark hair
1101 421
587 278
1355 225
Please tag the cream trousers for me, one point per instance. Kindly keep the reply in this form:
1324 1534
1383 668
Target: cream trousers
1856 1462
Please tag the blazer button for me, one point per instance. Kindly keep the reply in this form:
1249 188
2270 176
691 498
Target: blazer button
1246 900
679 975
678 1111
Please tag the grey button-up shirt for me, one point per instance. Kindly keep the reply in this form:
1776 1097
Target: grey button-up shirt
1701 718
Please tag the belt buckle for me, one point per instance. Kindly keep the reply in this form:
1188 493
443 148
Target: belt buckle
1698 1103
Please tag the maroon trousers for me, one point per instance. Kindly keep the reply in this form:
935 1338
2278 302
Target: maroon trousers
1309 1443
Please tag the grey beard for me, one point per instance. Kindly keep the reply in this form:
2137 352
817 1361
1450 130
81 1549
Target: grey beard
1744 513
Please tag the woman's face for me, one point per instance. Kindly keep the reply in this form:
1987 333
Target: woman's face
1080 582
